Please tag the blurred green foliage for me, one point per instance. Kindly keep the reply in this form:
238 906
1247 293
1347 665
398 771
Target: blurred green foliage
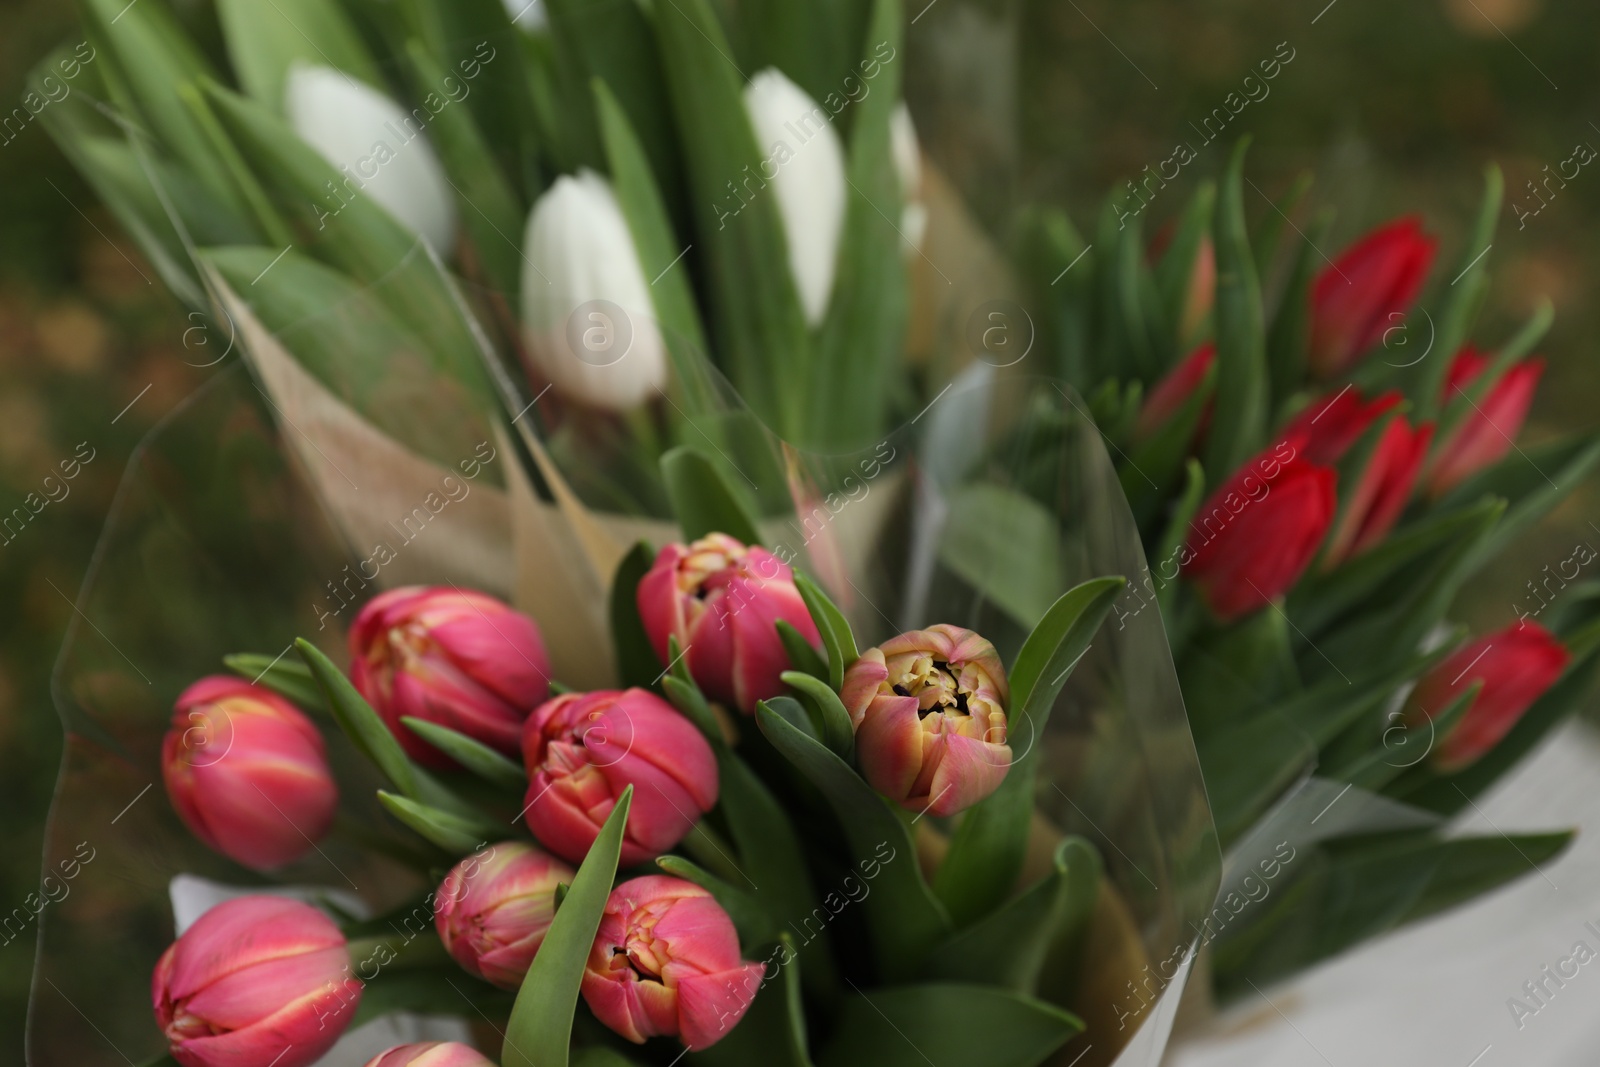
1396 107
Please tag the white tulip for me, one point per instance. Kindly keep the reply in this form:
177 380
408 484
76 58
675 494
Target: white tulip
586 304
528 15
804 163
908 165
378 146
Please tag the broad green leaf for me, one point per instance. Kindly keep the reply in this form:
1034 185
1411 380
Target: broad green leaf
1230 670
703 498
540 1031
801 653
1240 423
756 925
906 918
1007 546
837 731
773 1031
266 40
1007 947
472 754
637 662
456 835
837 637
688 699
973 1025
988 847
816 45
289 679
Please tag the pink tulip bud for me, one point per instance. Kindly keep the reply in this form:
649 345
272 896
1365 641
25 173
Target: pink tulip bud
455 657
247 773
721 600
493 909
666 963
431 1054
1489 428
1516 666
584 749
929 709
256 982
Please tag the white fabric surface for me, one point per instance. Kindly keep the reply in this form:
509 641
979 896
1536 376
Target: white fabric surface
1436 994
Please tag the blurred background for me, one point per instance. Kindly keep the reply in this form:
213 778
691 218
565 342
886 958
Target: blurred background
1397 108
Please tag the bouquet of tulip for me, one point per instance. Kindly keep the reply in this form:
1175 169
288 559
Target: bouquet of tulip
1317 470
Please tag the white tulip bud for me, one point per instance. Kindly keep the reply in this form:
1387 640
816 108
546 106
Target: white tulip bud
804 163
908 165
587 311
379 148
527 15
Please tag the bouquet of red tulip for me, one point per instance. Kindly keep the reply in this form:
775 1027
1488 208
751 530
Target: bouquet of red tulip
1317 470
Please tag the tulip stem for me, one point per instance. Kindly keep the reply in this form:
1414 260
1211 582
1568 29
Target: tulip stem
371 955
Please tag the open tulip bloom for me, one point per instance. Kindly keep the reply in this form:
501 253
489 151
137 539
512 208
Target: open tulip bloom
596 337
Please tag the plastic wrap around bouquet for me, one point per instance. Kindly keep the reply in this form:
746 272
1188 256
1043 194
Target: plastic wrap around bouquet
803 818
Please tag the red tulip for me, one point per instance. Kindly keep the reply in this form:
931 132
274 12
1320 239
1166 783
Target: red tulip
1383 490
929 709
721 599
247 773
666 963
1367 291
455 657
493 909
256 982
1516 666
1173 392
1489 430
1327 428
584 749
431 1054
1259 531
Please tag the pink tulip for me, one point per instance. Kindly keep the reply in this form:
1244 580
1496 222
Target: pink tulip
455 657
1366 292
431 1054
721 599
929 709
1516 666
1490 426
256 981
584 749
666 963
493 909
247 773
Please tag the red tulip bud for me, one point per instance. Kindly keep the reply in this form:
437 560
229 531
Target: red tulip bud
930 714
666 962
1259 531
1489 428
247 773
431 1054
1173 392
1326 429
493 909
721 599
455 657
1383 490
256 982
1516 666
1367 291
584 749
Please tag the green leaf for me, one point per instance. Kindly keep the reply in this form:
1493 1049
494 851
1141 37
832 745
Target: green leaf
837 731
973 1025
703 499
773 1031
1007 947
1248 765
906 918
837 638
1157 466
456 835
816 45
637 662
988 847
425 991
688 699
1137 318
474 755
1175 273
1465 300
756 925
801 653
1288 340
540 1031
289 679
1176 534
1007 546
754 307
1532 481
1270 232
1240 423
265 40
